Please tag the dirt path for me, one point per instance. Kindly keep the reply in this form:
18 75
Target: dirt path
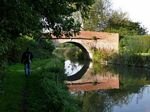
25 94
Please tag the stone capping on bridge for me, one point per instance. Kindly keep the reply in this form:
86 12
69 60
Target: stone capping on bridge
88 35
94 35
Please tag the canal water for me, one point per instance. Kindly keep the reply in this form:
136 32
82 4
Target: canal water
109 88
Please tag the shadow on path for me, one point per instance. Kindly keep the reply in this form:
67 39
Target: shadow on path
25 95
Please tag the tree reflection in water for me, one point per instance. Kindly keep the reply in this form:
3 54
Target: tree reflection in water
132 94
114 100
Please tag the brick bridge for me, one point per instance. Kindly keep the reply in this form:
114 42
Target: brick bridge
86 40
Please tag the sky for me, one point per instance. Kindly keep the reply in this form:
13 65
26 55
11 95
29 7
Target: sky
138 10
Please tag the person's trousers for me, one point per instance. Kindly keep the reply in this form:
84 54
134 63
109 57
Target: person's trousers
27 69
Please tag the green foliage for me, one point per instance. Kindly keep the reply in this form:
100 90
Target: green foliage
102 17
12 85
133 52
12 52
99 69
27 17
52 82
101 55
44 90
2 75
98 15
5 45
19 19
46 44
135 44
134 60
70 23
56 97
24 16
119 23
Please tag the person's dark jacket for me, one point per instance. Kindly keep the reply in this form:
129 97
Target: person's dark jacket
26 57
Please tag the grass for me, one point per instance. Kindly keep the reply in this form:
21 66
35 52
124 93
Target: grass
12 87
43 91
145 54
15 85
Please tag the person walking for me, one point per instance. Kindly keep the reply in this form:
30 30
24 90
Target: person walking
26 60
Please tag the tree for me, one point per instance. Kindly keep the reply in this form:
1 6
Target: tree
103 18
119 23
28 17
98 15
23 16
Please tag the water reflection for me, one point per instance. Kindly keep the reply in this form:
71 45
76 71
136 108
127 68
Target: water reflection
116 101
93 79
137 102
72 67
90 82
113 89
77 71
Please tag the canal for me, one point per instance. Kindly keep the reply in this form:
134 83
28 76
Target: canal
109 88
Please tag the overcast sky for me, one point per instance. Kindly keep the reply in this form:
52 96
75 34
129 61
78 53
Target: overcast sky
138 10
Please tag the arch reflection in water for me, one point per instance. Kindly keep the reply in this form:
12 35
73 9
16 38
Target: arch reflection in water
79 73
71 68
85 80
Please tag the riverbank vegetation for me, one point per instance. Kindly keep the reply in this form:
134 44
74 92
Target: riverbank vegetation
44 90
133 51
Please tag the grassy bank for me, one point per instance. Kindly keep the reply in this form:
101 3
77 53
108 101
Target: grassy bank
125 59
134 51
43 91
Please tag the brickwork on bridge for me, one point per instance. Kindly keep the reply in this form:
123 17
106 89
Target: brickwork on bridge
90 39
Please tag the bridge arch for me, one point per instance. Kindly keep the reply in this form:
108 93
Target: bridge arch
87 52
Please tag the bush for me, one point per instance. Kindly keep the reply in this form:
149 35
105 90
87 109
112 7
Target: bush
40 49
135 44
130 60
100 55
57 98
5 45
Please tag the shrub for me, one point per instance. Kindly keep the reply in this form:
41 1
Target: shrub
100 55
57 97
130 59
135 44
11 50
